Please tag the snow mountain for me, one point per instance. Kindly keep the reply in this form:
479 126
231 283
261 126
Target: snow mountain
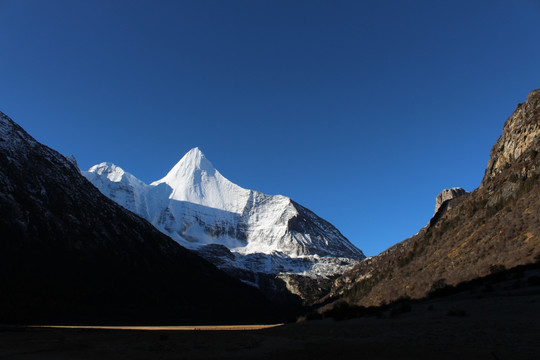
235 228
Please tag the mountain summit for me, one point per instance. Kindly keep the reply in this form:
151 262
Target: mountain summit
194 179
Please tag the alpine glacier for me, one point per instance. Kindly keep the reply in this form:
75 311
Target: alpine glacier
201 210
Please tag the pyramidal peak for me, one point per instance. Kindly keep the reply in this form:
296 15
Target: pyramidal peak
194 179
192 162
194 159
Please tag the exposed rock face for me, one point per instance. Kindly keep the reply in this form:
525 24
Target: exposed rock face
448 194
521 132
494 227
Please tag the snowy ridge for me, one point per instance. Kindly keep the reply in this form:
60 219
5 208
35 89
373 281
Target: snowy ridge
197 206
127 191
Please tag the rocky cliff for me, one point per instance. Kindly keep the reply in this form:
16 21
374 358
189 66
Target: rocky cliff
521 133
448 194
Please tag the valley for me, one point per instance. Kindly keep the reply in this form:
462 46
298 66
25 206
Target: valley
466 285
497 320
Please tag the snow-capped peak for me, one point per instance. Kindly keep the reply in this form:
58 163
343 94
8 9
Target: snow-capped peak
194 179
115 174
197 206
193 161
111 171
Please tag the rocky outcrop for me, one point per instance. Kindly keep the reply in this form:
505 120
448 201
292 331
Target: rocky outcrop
521 132
448 194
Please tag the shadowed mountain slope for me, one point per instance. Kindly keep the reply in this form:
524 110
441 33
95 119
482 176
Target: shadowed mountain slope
68 254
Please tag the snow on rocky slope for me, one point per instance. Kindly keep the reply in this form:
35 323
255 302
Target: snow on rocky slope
201 209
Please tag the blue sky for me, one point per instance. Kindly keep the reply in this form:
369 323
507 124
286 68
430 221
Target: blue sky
362 111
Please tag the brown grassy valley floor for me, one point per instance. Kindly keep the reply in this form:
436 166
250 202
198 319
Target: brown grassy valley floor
495 322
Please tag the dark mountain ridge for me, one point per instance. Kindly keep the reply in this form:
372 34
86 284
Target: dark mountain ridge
68 254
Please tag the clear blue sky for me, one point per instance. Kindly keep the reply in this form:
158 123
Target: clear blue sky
361 111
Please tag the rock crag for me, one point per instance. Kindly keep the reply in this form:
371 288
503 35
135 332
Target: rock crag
448 194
